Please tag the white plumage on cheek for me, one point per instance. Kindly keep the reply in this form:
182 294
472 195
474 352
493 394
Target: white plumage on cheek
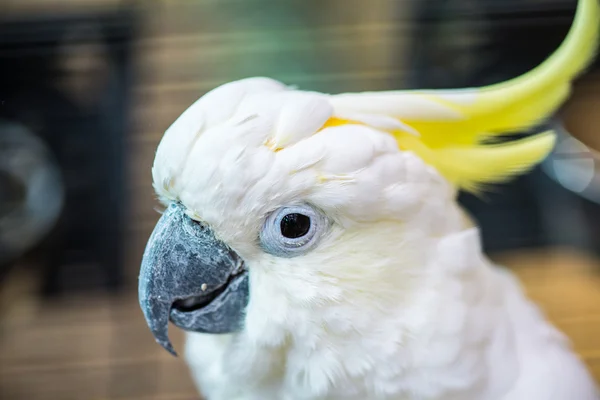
315 305
375 249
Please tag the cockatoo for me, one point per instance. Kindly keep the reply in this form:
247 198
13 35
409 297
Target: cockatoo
312 245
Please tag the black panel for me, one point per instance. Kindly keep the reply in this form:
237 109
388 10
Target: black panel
68 79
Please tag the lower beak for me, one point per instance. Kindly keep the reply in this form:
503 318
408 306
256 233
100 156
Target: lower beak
190 278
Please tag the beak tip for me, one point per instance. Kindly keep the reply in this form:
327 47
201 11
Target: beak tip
157 319
166 344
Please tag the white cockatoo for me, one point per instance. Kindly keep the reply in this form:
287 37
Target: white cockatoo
313 247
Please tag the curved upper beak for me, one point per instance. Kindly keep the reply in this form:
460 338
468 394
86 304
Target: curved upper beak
190 278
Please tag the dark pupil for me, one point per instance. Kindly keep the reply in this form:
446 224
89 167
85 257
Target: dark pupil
295 225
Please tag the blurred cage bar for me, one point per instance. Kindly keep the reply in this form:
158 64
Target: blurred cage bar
94 88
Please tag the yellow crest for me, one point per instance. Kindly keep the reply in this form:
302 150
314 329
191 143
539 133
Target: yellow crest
453 124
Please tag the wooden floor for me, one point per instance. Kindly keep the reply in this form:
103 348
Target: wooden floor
97 348
92 347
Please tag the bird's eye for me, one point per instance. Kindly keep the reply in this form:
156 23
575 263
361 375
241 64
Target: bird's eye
295 225
291 231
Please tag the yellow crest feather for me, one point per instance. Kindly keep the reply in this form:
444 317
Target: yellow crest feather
453 123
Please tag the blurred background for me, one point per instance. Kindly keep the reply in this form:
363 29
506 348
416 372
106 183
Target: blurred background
87 88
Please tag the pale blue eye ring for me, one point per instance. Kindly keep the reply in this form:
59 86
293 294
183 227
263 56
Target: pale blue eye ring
293 230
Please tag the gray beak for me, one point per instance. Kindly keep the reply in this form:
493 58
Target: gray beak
190 278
